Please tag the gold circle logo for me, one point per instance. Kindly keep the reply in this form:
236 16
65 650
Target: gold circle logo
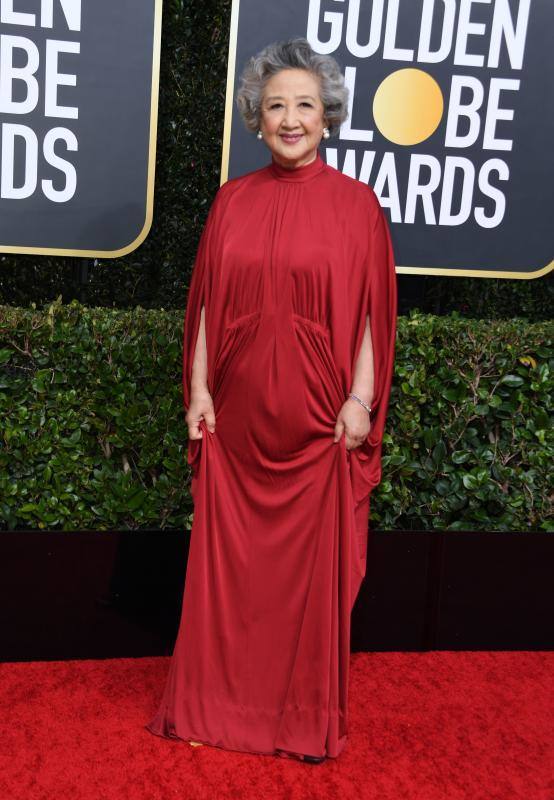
408 106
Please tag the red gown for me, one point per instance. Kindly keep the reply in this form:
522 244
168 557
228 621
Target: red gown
288 265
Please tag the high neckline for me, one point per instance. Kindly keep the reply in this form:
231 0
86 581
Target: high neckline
303 173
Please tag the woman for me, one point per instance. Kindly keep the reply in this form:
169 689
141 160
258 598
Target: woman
288 358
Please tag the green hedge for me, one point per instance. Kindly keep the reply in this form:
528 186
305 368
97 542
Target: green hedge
93 434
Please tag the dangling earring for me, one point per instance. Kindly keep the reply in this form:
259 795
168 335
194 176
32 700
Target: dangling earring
259 135
326 133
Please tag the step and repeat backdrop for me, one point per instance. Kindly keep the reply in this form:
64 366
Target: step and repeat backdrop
451 121
78 113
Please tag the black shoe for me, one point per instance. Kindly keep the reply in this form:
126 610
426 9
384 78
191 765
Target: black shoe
313 759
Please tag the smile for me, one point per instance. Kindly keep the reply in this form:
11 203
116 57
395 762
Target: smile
291 138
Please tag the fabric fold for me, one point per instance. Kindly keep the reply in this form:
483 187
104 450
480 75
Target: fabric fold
288 266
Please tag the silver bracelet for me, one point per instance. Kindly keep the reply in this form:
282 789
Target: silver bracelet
365 405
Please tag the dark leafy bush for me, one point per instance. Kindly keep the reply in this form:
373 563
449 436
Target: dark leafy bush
93 436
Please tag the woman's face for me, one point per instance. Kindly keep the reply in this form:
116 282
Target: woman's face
292 118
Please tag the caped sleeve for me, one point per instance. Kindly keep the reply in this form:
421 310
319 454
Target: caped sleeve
380 302
198 294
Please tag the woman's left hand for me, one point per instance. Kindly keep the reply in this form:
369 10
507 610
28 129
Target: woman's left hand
353 421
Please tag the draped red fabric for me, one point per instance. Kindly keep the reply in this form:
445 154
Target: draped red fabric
289 264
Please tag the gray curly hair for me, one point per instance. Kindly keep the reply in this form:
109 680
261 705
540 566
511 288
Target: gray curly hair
292 54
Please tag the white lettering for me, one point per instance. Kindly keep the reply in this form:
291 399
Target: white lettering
446 216
490 191
390 50
65 194
514 37
7 188
332 18
347 131
428 16
55 79
9 74
71 11
469 111
494 113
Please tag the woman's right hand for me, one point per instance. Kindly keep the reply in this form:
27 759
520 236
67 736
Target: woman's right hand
201 407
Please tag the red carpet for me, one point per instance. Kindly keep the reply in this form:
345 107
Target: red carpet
423 726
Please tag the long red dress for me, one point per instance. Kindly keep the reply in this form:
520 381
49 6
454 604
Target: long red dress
289 264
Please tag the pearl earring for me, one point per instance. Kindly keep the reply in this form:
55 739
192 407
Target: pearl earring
259 135
326 133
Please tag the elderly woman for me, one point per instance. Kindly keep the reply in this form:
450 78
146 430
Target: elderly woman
288 358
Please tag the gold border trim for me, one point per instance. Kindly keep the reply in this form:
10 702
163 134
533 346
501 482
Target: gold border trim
156 49
476 273
231 67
